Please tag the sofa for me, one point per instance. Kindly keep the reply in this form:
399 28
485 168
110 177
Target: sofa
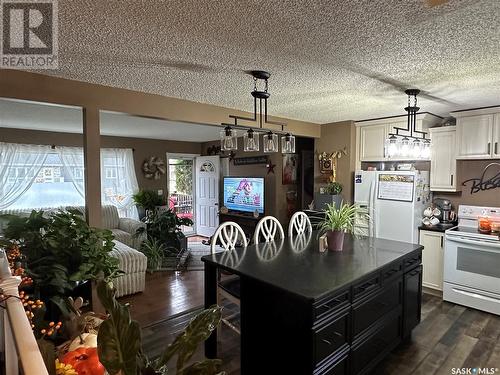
131 261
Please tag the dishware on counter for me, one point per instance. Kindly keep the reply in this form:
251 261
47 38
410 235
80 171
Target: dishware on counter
484 224
436 212
434 220
426 221
428 212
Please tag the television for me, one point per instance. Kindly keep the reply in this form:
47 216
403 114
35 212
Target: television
244 194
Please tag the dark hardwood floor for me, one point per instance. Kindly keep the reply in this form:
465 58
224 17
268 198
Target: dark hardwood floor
449 336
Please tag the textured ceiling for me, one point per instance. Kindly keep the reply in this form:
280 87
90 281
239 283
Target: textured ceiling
330 60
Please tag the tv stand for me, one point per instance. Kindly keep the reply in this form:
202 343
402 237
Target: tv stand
247 222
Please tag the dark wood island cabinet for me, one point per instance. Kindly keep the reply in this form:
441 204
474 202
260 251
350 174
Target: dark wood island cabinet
305 312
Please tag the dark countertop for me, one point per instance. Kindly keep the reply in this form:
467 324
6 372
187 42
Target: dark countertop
309 273
436 228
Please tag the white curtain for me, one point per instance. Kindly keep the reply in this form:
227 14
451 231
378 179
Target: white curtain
19 167
119 181
74 166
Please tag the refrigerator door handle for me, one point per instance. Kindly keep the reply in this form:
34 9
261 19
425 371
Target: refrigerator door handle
371 209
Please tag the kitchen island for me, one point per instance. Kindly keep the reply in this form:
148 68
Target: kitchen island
306 312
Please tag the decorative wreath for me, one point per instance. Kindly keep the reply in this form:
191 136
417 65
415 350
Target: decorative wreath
153 168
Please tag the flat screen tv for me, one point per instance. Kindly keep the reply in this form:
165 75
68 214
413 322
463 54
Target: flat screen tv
244 194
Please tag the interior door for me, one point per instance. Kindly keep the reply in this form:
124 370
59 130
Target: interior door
207 172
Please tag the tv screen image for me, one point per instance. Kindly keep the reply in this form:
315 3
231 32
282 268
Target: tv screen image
244 194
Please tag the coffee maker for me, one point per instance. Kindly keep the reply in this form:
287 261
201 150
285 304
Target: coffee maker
447 216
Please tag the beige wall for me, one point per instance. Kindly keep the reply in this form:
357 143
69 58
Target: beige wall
143 148
335 136
275 192
467 169
91 98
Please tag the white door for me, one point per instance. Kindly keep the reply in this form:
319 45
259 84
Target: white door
432 259
372 142
443 159
207 172
496 137
474 135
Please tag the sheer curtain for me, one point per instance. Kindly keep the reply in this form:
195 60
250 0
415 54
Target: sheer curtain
119 181
74 166
19 166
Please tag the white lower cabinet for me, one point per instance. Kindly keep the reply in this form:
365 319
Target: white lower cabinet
432 258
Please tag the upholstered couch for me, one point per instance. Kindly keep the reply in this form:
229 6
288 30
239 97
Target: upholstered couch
131 261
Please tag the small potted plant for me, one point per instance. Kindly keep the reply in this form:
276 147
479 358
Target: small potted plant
330 194
147 200
338 222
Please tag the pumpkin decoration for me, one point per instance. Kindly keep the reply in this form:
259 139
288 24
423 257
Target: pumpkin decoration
153 168
85 361
85 340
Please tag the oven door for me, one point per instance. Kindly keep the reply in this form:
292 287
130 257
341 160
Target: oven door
472 263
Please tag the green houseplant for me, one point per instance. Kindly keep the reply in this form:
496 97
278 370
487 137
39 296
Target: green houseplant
147 200
119 342
337 222
155 251
333 188
60 252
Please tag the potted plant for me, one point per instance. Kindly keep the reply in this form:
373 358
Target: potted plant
147 200
337 222
330 194
61 252
155 251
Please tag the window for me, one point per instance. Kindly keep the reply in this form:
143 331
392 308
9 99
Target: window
36 176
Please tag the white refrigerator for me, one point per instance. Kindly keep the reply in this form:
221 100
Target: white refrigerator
394 200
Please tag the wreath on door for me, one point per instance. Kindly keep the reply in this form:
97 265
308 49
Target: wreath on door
153 168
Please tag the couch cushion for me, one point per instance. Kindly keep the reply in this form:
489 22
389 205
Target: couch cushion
110 218
122 236
130 260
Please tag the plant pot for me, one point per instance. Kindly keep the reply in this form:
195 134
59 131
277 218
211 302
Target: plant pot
335 239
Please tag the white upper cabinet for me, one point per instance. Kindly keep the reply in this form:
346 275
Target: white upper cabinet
443 159
474 136
496 137
372 142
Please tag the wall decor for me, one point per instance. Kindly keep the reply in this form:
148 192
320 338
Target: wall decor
328 163
290 167
153 168
270 167
264 159
483 182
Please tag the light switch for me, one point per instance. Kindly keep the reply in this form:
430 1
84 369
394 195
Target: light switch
160 191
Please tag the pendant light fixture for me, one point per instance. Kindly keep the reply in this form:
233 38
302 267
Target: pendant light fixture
288 144
270 142
250 141
228 139
270 138
399 145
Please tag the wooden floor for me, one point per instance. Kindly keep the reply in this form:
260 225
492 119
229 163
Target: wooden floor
449 336
167 293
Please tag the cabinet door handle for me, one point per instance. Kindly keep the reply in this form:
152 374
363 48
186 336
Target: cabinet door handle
496 148
451 182
442 241
489 148
326 341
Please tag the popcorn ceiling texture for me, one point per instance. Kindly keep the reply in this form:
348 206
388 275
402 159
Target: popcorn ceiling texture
330 60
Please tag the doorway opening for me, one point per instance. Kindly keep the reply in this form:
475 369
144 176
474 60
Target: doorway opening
181 184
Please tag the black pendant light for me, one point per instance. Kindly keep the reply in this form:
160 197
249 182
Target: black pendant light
260 117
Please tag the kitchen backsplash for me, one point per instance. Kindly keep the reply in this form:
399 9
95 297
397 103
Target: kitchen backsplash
473 169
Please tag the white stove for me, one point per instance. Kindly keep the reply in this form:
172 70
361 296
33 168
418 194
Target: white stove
472 262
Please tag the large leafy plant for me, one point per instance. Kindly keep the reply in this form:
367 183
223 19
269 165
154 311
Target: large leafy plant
147 199
340 219
333 188
165 226
61 250
119 342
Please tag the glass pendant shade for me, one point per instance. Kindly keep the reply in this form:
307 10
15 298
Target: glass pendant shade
392 147
228 139
426 150
405 147
250 141
416 149
288 144
270 142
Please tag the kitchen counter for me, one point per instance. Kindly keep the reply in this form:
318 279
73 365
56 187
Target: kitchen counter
436 228
332 312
